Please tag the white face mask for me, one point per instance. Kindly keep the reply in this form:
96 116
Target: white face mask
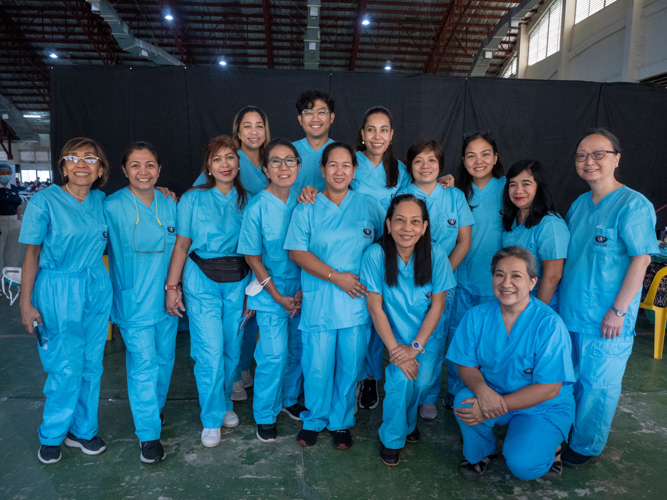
254 287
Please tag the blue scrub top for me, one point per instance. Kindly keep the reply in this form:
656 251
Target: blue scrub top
603 237
338 236
538 350
310 173
252 177
546 241
474 273
73 235
212 221
406 305
263 232
372 180
448 210
138 279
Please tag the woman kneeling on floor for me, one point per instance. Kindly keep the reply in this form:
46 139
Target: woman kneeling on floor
407 280
514 356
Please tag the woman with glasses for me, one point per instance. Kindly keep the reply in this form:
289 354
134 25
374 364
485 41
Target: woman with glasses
275 293
66 291
142 233
327 240
407 279
451 227
612 234
214 279
530 220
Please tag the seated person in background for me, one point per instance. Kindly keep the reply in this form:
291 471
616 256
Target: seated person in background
514 355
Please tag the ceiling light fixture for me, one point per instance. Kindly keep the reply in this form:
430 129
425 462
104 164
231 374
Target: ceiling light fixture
53 55
365 20
222 61
167 14
387 65
31 116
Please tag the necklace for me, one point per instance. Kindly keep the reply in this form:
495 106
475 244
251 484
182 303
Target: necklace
77 197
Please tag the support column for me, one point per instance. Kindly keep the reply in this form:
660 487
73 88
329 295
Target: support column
633 47
522 52
569 9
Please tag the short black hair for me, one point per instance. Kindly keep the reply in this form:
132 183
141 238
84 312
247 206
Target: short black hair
307 100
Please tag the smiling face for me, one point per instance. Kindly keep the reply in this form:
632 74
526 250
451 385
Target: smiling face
425 167
339 170
142 170
317 124
479 159
252 131
407 225
511 282
283 176
522 190
592 170
377 134
82 173
224 167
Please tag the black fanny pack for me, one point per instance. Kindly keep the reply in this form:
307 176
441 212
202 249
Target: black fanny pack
222 269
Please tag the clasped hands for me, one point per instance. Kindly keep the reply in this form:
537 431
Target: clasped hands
486 405
404 356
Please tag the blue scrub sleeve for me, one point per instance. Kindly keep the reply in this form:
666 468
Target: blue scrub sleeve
184 219
35 223
298 232
250 239
553 363
465 214
463 349
442 275
636 229
372 269
553 238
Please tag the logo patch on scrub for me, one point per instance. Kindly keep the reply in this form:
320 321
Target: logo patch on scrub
601 241
367 233
429 294
451 222
528 371
105 234
171 229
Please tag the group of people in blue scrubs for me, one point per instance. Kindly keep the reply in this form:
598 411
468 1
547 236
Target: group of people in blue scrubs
314 257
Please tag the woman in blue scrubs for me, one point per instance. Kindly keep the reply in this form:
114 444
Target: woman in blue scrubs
66 290
480 177
612 234
275 293
451 228
142 233
530 220
514 356
214 279
327 240
407 280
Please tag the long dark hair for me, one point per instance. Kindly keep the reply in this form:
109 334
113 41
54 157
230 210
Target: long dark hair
215 145
389 161
542 204
463 177
423 271
236 127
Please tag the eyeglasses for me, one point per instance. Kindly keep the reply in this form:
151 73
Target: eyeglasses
484 131
134 230
87 159
596 155
289 161
321 112
405 193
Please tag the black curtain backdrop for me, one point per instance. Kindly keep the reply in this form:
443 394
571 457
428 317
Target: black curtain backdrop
179 109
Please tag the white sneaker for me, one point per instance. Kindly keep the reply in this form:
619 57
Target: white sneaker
231 420
428 411
210 437
238 391
246 378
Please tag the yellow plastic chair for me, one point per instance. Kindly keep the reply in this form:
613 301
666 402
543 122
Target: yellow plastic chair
105 259
660 313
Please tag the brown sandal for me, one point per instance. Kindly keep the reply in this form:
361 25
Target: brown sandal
556 469
472 472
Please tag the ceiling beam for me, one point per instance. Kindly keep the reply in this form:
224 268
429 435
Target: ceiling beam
266 11
450 23
94 28
177 29
357 34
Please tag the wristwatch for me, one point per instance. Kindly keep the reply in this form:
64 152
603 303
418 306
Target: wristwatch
617 312
416 345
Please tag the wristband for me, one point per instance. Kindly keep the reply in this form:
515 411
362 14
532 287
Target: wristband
173 287
329 277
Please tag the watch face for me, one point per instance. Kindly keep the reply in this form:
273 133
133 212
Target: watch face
415 345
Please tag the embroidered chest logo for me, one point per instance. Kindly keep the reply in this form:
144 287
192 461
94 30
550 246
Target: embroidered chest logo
528 371
451 222
105 234
171 229
429 294
368 233
601 241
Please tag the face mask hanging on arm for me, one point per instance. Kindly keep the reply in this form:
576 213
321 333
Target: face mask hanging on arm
254 287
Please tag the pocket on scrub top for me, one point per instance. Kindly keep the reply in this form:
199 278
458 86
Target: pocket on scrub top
450 221
203 214
525 365
170 226
604 241
103 232
365 234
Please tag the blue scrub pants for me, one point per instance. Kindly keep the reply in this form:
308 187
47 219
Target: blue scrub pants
215 340
403 396
530 444
278 376
251 330
374 356
150 359
75 309
599 365
442 341
332 361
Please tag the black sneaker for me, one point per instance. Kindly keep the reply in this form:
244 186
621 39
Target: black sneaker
369 394
448 402
49 454
341 440
294 411
152 452
162 419
93 446
306 437
267 433
414 436
390 457
575 460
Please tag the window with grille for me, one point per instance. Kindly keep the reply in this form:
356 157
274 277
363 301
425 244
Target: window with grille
544 40
586 8
510 69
